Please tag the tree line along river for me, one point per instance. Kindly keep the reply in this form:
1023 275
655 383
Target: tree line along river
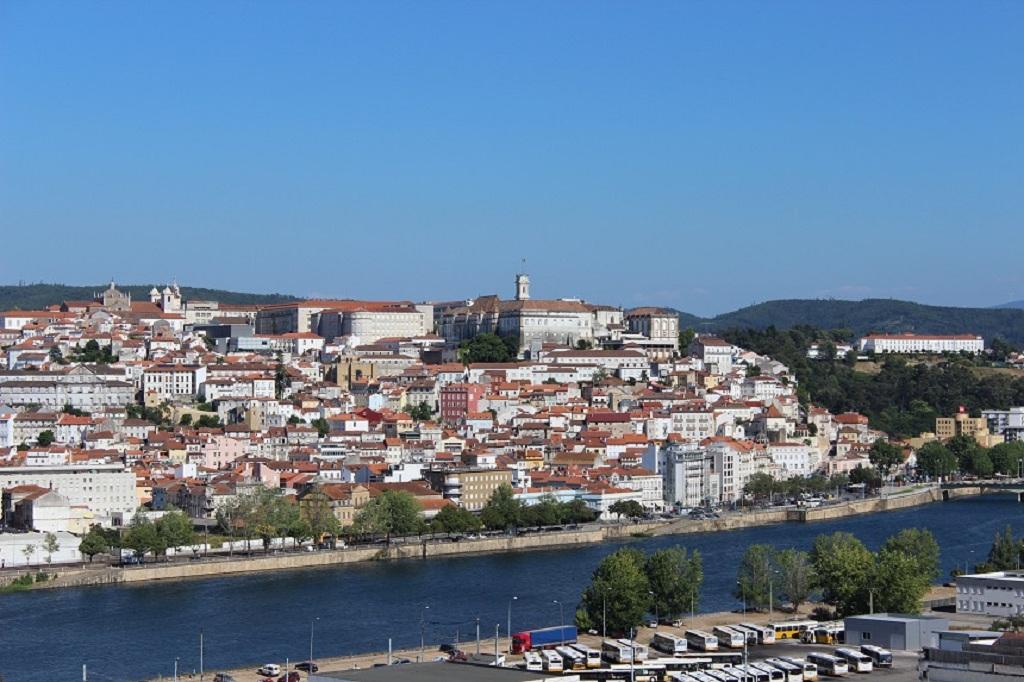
133 632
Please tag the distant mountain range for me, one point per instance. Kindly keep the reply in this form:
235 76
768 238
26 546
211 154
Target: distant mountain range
1012 304
36 296
870 315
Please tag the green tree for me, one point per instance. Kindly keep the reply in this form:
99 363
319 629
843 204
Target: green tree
1005 553
756 577
455 519
900 586
321 426
208 421
94 542
502 510
29 551
143 538
936 460
577 511
885 456
686 337
796 576
50 545
919 544
393 512
631 509
546 512
844 567
422 412
761 486
1006 457
675 579
869 476
488 348
186 419
618 591
981 464
45 438
175 529
317 518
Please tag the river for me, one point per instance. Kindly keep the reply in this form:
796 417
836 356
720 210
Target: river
132 632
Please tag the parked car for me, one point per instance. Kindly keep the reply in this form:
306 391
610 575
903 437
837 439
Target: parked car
307 666
293 676
223 677
269 670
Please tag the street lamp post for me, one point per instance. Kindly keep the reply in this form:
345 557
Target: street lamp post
561 619
423 616
175 669
509 633
604 614
654 601
743 596
311 624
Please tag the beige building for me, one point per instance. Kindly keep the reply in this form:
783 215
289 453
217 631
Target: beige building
469 488
343 499
962 424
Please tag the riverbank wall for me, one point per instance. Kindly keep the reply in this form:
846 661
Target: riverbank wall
101 575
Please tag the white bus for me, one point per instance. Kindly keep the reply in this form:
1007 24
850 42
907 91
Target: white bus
751 635
552 661
765 633
571 659
534 663
728 675
668 643
614 652
810 670
734 639
828 665
855 660
639 650
792 671
592 655
751 673
774 674
882 658
701 641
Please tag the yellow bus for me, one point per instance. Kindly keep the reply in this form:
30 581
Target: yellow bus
792 629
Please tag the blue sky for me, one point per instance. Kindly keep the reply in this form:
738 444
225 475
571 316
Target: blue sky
703 155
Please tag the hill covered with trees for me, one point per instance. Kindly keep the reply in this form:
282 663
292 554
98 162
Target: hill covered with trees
869 315
903 398
36 296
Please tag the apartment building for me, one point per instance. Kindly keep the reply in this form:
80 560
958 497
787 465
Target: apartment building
469 488
105 488
1006 423
167 381
84 387
457 401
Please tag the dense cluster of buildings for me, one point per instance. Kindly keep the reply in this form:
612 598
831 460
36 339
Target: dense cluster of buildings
111 405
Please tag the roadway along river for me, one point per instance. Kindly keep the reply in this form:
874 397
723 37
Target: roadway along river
135 632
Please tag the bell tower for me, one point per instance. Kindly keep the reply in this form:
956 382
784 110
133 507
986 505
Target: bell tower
523 285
